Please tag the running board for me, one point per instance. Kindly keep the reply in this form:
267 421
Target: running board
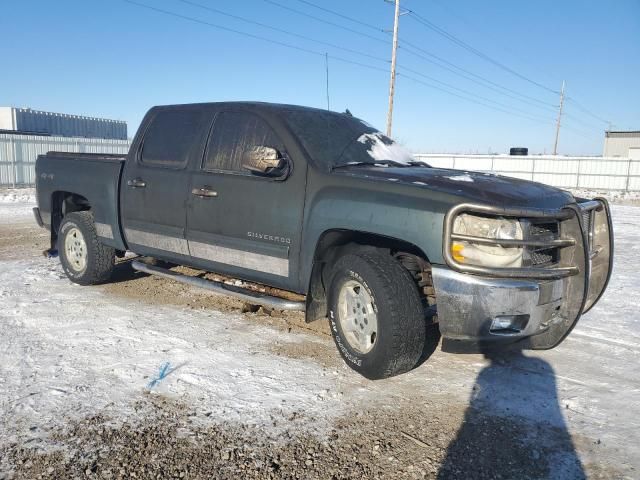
255 298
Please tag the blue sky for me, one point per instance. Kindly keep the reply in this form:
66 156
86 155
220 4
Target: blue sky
115 59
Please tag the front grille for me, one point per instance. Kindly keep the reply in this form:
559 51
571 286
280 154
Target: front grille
539 257
543 257
543 229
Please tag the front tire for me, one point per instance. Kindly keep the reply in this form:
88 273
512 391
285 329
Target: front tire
84 259
376 314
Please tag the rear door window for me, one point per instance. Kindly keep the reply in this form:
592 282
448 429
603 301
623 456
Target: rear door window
171 137
234 135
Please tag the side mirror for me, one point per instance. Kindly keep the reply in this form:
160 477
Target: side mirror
264 160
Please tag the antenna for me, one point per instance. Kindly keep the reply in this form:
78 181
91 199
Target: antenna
326 64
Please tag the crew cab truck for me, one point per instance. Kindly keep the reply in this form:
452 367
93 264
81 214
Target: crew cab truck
323 205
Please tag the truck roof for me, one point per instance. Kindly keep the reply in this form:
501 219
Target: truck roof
252 105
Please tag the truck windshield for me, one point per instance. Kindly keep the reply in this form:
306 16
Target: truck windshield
339 140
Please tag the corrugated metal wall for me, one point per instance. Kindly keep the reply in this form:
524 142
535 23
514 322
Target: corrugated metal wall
61 124
18 153
592 173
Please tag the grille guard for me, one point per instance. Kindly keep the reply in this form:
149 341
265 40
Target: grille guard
538 273
584 267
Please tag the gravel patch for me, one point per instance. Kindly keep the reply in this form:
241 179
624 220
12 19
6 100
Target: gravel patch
167 439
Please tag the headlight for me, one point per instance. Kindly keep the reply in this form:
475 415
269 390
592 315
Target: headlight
487 255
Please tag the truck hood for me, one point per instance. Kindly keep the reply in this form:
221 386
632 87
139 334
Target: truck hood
473 186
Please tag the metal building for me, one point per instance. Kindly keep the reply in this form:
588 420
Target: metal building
25 120
624 144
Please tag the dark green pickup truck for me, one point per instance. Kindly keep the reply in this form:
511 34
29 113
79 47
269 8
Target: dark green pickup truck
323 205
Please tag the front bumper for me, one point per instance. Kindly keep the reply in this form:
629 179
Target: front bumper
485 306
474 308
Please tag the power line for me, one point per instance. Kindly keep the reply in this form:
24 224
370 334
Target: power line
280 30
579 120
466 92
451 12
474 26
478 78
324 54
474 100
254 36
580 133
585 110
449 66
346 17
327 22
475 51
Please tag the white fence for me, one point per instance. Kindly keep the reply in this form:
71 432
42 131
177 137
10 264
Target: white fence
589 173
18 153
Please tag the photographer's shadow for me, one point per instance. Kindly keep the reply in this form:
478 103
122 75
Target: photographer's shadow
513 427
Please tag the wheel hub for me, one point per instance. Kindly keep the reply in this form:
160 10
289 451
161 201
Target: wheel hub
357 316
76 249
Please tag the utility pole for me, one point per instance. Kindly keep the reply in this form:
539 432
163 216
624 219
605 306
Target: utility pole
392 83
555 145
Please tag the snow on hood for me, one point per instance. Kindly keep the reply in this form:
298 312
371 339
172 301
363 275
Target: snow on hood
461 178
383 148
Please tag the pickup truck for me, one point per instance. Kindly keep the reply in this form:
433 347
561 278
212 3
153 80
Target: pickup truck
323 205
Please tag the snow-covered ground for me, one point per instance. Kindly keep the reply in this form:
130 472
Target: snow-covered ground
69 351
66 348
16 204
17 195
615 197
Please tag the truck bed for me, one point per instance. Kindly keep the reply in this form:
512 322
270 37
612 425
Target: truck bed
91 176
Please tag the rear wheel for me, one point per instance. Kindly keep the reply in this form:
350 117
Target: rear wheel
84 259
376 314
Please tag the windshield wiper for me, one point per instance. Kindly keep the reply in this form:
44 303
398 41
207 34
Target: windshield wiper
388 163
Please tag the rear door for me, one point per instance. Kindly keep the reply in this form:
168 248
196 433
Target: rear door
248 225
155 183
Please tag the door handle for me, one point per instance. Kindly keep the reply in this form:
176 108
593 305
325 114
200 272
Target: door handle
136 183
204 192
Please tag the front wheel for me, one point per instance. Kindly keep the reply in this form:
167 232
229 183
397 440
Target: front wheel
376 314
84 259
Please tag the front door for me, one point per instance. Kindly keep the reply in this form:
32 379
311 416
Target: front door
241 223
155 182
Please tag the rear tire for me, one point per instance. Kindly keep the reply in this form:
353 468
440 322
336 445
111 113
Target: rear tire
84 259
376 314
